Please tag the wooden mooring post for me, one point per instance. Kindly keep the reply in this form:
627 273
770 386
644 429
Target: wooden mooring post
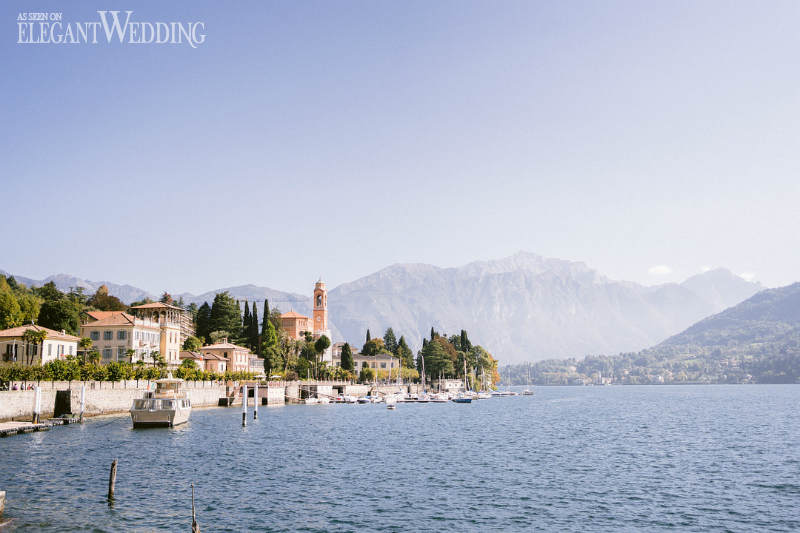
255 401
244 405
195 525
112 480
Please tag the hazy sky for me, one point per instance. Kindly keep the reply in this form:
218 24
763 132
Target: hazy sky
648 139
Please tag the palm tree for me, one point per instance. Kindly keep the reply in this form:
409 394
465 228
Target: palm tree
94 357
84 344
35 337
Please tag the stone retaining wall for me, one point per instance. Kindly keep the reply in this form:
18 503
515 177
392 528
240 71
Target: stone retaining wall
101 397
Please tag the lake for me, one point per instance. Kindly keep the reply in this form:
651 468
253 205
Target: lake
649 458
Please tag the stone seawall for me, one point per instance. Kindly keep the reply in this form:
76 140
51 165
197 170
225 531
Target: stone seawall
101 397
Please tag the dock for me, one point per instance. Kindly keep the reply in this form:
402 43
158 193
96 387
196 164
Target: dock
18 428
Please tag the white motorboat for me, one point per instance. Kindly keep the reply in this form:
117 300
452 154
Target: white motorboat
167 406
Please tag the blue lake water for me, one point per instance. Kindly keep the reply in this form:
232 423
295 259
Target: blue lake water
688 458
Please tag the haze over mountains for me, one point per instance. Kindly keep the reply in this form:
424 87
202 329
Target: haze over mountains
523 308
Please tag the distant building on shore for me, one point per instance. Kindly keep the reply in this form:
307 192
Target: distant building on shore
154 327
382 361
113 333
236 358
56 345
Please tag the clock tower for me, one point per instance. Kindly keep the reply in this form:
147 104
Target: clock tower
320 308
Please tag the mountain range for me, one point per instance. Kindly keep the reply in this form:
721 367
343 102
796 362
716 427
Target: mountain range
522 308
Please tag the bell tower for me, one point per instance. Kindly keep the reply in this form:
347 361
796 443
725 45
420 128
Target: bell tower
321 308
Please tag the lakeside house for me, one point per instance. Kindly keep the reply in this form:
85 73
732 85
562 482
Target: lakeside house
382 361
197 357
56 345
113 333
214 363
236 358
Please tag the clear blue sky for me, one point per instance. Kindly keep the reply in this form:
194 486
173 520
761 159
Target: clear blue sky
335 138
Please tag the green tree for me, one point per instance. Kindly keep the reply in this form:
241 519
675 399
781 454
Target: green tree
218 336
192 343
84 344
265 320
105 302
390 341
34 337
94 357
166 298
203 321
245 331
226 314
58 311
347 358
373 347
404 353
10 311
252 332
368 338
366 375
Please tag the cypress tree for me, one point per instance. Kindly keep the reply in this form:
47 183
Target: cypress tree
347 358
253 330
265 319
433 333
368 336
245 332
390 341
203 321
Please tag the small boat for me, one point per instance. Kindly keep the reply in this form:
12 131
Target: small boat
363 399
462 400
167 406
484 396
391 402
324 400
310 401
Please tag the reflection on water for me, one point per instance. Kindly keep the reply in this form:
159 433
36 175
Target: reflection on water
601 458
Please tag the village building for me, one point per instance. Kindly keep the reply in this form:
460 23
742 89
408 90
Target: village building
197 357
295 325
169 319
56 345
214 363
237 358
114 333
382 361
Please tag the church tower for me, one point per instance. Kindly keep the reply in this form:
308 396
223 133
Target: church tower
321 318
320 308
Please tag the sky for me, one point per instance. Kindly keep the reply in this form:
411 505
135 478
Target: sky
303 139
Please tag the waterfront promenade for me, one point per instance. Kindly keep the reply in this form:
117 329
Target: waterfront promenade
106 397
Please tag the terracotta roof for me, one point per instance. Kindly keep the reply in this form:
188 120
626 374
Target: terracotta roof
100 315
115 318
190 355
52 334
223 346
209 356
156 305
292 314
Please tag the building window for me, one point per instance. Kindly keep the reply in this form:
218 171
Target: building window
71 347
108 335
383 365
94 335
49 350
121 335
106 353
120 352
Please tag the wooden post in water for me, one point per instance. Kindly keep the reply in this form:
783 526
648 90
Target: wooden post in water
255 401
112 480
244 405
83 400
195 525
37 404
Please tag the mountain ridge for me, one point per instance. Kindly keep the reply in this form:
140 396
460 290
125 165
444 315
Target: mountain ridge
522 306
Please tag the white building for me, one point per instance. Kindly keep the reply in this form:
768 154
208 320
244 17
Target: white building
113 333
57 345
